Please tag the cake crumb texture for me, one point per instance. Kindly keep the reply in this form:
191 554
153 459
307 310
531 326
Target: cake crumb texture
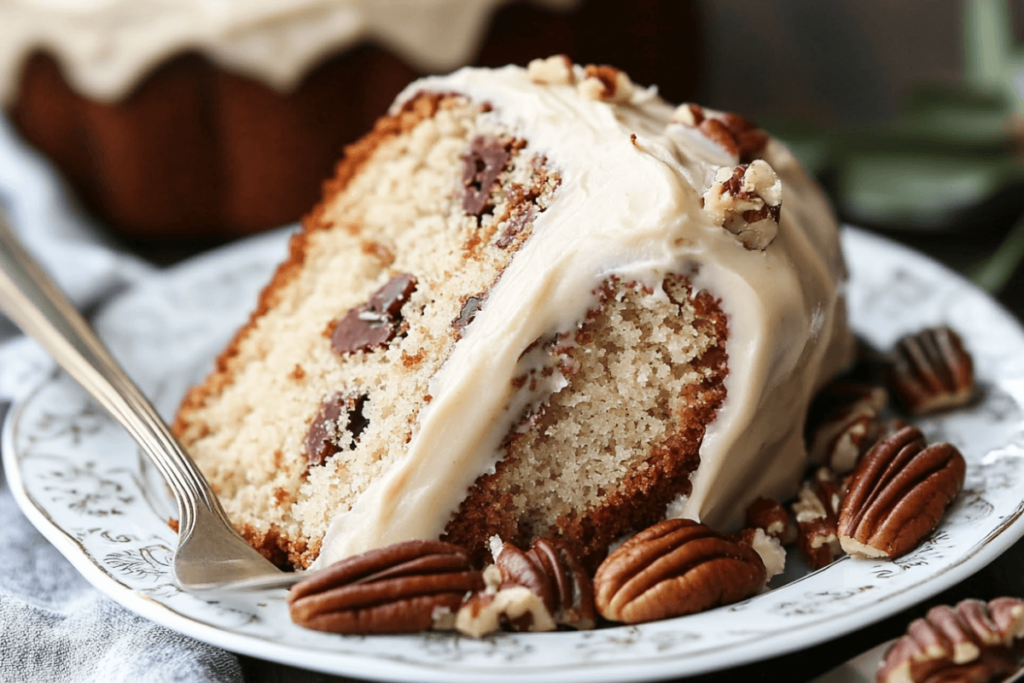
395 206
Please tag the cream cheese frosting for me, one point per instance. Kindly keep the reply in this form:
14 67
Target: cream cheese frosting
106 46
641 196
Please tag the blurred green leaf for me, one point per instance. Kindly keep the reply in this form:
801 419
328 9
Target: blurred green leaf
919 190
994 273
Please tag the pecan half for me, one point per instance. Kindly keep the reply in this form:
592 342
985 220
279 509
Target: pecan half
396 589
673 568
897 494
971 642
817 518
930 371
842 423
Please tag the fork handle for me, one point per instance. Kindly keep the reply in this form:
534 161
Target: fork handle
36 305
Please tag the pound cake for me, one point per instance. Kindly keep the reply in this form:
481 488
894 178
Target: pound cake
179 120
533 302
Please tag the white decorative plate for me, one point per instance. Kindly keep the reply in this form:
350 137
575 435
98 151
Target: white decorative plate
83 483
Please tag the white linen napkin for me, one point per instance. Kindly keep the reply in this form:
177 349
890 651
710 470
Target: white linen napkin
53 625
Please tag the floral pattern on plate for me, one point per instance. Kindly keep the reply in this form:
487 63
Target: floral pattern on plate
83 483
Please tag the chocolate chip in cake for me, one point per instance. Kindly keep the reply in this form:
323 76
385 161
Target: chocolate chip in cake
481 167
516 223
376 322
339 423
468 312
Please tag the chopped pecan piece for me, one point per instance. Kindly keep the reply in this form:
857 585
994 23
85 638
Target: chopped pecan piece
817 517
972 642
773 555
493 609
930 371
551 570
560 592
772 516
605 83
842 423
897 494
397 589
376 322
746 201
673 568
556 70
739 137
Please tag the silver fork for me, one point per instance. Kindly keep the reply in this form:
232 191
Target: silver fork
210 555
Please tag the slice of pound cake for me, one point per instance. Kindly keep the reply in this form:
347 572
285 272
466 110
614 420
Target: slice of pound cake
533 302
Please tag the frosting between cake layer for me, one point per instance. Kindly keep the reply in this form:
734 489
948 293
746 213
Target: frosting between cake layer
630 204
106 46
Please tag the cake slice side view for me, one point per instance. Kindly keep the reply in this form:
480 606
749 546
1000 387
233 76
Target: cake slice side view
532 302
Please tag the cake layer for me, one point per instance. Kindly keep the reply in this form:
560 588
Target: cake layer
107 46
196 121
196 152
531 302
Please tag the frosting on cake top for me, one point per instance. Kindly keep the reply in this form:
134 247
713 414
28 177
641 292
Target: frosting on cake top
646 190
106 46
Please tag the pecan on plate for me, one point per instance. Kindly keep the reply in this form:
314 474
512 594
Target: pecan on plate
773 555
772 516
397 589
673 568
533 590
495 609
842 422
973 642
898 494
553 569
816 510
930 371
